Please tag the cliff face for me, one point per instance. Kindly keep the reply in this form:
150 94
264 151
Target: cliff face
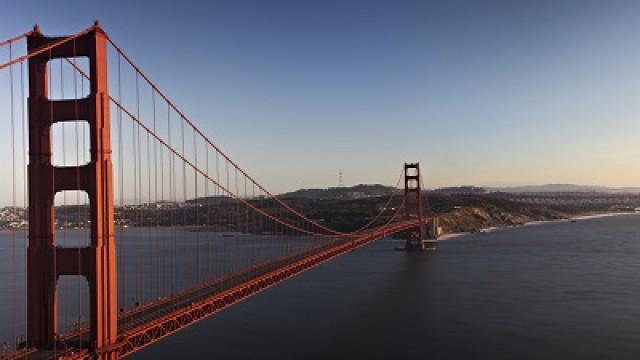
472 219
473 212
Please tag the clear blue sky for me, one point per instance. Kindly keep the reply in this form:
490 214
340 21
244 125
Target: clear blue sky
480 92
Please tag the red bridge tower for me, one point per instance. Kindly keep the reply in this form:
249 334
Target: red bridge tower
414 206
46 260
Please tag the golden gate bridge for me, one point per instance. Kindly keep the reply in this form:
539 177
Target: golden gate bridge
152 169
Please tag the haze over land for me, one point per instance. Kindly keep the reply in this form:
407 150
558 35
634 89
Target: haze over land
565 188
461 209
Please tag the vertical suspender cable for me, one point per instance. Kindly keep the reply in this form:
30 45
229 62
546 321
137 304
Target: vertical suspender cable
65 224
154 238
242 217
14 295
153 228
161 222
208 205
24 190
137 166
134 215
197 219
173 209
146 217
184 211
218 228
229 219
121 266
85 160
236 210
164 239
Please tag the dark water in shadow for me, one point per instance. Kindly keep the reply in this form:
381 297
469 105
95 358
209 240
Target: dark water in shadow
152 263
552 291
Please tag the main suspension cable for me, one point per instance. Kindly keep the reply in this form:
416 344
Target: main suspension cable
48 47
210 143
16 38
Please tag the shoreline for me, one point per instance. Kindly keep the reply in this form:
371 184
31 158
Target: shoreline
444 237
450 236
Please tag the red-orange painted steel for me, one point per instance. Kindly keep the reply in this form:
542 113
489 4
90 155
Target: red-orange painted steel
97 262
414 206
191 312
167 316
46 261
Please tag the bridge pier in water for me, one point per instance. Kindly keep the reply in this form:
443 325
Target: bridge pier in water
47 262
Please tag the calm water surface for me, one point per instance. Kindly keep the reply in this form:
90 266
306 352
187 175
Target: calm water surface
553 291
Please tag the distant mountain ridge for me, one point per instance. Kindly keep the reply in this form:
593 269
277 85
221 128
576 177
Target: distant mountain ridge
374 190
341 193
557 188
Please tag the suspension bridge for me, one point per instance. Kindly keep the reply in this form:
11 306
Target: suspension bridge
127 223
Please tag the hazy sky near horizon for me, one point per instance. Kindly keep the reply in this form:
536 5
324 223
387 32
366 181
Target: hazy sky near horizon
480 92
